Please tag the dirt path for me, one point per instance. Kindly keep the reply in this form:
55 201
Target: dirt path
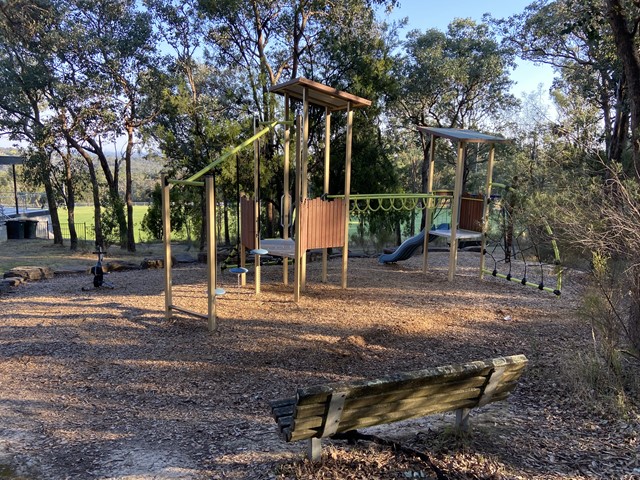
99 385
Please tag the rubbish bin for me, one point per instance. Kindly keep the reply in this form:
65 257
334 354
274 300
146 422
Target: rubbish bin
15 229
30 228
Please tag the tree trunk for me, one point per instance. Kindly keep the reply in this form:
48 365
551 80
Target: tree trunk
630 58
70 199
131 241
53 213
96 204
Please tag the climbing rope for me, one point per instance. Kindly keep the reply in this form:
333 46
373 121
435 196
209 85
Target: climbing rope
514 243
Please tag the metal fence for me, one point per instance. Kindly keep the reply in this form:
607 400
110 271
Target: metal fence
84 231
44 229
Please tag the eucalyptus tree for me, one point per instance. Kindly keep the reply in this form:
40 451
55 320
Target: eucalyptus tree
26 42
453 79
265 42
575 38
113 53
623 18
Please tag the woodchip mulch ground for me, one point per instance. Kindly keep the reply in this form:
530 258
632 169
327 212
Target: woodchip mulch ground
99 385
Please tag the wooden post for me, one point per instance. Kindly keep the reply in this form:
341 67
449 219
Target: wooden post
347 192
298 253
211 252
286 207
325 190
485 207
429 205
462 419
304 186
166 238
455 211
256 204
314 449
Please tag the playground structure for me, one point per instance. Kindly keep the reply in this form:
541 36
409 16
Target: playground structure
320 223
468 221
469 217
323 223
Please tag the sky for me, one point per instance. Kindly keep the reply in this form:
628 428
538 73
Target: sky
426 14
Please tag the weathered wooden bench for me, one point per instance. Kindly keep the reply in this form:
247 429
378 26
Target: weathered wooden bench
326 410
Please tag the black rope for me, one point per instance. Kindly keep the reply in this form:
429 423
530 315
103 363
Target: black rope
517 250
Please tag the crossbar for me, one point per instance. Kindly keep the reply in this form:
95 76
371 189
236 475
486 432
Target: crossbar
233 151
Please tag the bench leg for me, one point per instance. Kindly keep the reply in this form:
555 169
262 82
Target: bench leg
314 449
462 419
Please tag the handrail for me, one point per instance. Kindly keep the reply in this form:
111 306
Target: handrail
228 154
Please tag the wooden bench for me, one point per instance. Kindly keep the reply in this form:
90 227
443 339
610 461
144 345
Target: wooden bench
326 410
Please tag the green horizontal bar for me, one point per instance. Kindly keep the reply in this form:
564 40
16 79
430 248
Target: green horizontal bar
233 151
279 122
518 280
381 196
186 182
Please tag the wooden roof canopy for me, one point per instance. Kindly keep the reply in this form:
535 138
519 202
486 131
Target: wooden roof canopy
319 94
460 135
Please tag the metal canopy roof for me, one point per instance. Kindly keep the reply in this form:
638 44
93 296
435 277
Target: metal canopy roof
319 94
11 160
463 135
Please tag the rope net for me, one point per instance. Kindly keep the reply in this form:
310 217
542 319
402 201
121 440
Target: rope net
521 248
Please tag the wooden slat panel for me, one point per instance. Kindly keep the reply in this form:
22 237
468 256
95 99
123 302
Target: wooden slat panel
431 403
247 225
397 416
417 379
294 436
401 381
471 213
315 409
323 226
406 394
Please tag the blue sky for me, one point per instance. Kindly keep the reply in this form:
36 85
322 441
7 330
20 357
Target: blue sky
426 14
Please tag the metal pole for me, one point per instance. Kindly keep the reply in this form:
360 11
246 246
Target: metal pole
286 200
15 188
327 160
485 207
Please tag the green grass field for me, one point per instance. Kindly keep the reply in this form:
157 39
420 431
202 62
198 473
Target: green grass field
84 215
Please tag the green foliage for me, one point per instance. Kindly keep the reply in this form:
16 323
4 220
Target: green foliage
109 218
611 369
152 220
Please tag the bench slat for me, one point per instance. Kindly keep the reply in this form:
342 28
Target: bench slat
302 411
428 403
402 415
417 379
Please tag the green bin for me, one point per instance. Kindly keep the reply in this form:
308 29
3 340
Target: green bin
15 229
30 228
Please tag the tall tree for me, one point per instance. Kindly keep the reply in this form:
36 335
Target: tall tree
623 18
26 43
453 79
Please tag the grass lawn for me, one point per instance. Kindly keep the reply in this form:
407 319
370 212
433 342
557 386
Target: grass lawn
84 215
